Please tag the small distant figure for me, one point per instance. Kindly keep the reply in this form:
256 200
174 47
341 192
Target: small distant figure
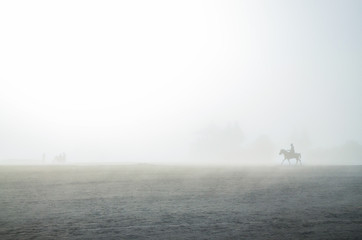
292 148
60 158
290 155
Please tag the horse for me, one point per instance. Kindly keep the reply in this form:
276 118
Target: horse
289 155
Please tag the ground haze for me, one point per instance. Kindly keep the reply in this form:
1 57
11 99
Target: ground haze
164 202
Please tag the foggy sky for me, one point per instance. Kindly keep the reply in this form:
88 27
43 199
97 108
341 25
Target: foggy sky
138 80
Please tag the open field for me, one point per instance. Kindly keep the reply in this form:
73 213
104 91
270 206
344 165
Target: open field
164 202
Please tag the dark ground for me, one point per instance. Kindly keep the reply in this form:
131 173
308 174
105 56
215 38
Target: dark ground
153 202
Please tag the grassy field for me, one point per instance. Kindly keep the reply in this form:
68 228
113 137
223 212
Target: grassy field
164 202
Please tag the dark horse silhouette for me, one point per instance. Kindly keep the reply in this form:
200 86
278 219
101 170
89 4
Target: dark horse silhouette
289 155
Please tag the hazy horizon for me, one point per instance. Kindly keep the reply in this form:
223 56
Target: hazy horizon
161 81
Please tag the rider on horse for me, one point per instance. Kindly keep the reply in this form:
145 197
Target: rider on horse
292 148
290 154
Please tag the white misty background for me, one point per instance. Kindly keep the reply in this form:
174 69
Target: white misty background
161 81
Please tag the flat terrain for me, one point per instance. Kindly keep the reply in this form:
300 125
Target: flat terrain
155 202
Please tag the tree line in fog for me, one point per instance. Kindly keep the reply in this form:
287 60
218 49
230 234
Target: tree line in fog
227 145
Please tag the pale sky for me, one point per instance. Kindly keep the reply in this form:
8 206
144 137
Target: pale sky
134 80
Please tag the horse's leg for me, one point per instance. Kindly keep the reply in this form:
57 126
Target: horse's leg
299 159
283 160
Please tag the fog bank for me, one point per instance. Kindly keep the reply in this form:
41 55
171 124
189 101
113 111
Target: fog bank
168 81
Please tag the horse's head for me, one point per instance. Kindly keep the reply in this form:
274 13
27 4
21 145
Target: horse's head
281 151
